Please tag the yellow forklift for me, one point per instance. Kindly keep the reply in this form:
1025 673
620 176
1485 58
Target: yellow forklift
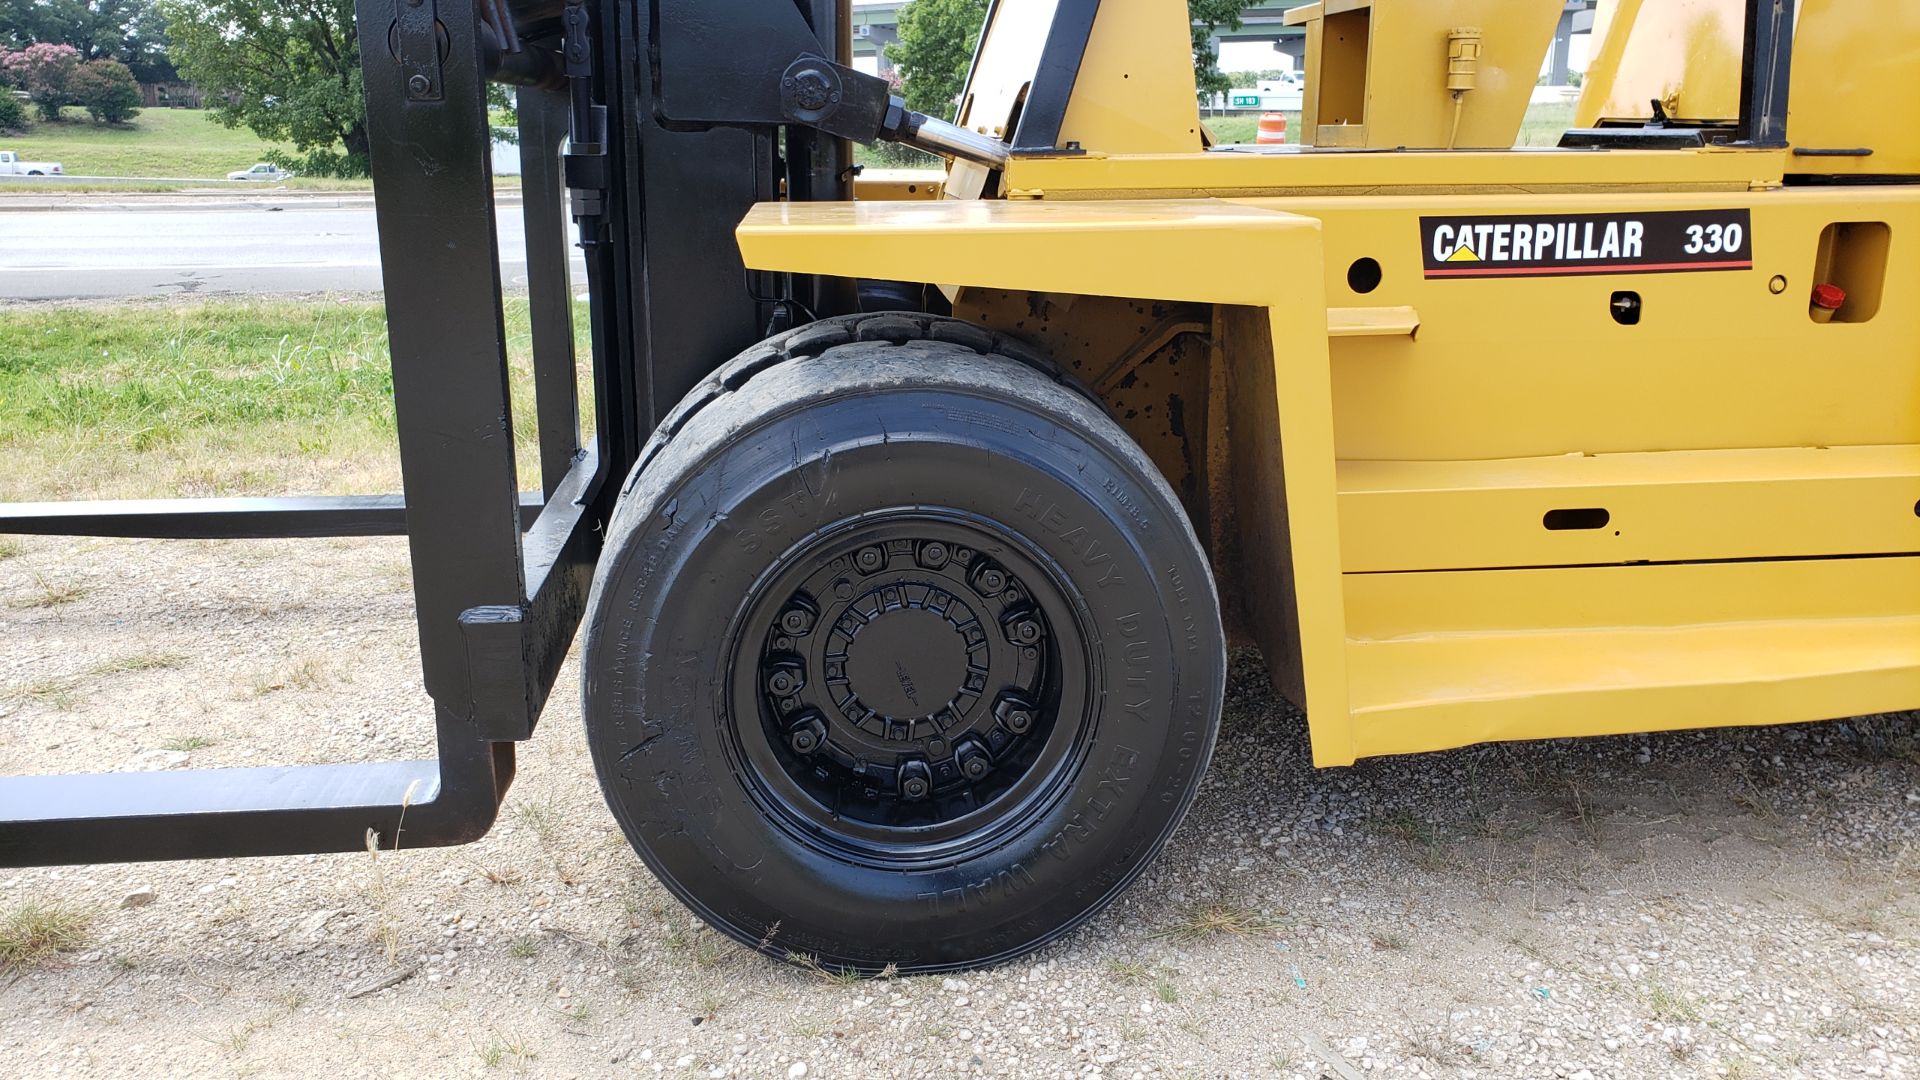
906 626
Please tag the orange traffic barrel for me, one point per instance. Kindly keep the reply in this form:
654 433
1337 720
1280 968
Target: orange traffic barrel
1273 128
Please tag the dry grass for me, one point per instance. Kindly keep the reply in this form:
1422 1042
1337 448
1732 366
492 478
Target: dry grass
47 593
140 661
187 743
11 548
35 931
57 693
1213 920
1672 1007
304 674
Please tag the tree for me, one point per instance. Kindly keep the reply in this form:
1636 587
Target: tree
107 90
936 44
287 69
43 70
1208 17
125 30
13 116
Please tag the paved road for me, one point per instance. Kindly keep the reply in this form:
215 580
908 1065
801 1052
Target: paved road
260 248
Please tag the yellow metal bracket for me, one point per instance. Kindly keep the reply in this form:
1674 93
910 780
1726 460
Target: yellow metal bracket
1151 249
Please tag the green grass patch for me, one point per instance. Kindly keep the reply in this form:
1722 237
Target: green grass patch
1543 124
217 397
159 142
1228 130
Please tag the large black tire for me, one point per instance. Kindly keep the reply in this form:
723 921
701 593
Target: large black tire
900 652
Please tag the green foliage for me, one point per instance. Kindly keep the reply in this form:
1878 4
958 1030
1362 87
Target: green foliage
129 31
1247 80
936 44
43 70
287 69
1209 16
13 115
105 88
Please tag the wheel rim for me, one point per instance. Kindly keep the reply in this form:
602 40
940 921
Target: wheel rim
908 687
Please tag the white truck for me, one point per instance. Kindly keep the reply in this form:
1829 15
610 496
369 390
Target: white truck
11 164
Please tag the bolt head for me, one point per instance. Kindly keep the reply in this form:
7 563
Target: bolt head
933 555
804 742
975 768
1019 721
796 621
869 559
419 84
992 580
914 788
782 683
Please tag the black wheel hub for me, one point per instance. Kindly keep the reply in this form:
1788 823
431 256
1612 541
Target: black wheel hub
904 679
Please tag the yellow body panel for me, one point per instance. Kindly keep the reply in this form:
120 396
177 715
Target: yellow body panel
1373 67
1855 74
1683 53
894 185
1846 52
1450 659
1459 509
1465 173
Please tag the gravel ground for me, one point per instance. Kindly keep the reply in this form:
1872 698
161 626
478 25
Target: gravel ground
1731 903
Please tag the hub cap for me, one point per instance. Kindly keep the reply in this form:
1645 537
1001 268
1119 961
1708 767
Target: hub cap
898 689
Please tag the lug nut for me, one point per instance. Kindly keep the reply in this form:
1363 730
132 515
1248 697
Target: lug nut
991 580
796 621
916 781
1019 721
869 559
1024 631
782 682
809 734
933 555
974 767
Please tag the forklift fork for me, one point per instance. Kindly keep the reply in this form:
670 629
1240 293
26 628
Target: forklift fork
499 577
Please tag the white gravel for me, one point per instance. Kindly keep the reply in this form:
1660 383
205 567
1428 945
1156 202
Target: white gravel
1731 903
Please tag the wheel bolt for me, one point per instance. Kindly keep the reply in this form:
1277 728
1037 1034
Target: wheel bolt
869 559
796 621
804 741
782 683
974 767
1024 632
992 580
1019 721
916 781
933 555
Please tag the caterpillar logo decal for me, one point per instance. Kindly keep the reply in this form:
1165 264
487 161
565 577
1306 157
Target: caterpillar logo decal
1550 245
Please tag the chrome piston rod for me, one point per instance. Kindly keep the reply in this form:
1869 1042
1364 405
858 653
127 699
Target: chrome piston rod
923 132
